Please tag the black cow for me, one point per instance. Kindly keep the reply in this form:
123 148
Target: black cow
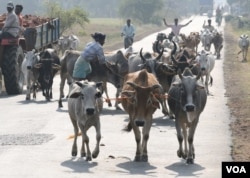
48 66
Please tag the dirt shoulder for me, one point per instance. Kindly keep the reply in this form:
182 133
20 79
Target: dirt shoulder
237 83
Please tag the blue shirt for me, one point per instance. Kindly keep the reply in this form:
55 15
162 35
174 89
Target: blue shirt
92 50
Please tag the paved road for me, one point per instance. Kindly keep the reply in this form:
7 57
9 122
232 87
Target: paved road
34 144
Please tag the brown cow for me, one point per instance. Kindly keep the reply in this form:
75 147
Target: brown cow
142 94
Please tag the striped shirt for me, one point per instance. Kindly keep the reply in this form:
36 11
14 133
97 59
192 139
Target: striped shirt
92 51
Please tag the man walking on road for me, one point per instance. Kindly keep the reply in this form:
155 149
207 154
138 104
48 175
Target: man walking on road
128 31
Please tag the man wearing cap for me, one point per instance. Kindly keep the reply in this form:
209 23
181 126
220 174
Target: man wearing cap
92 51
209 26
11 27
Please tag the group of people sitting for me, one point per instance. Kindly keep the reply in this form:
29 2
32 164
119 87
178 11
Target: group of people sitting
13 25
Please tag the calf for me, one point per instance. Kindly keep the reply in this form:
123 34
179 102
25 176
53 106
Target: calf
84 107
243 43
48 66
30 73
142 94
187 99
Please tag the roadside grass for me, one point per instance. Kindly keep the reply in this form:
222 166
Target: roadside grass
112 28
237 83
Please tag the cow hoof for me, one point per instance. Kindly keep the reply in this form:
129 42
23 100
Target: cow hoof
83 155
88 158
95 154
27 98
110 105
190 161
179 153
74 153
144 158
118 108
137 158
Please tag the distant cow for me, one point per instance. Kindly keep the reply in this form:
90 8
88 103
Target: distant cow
217 41
31 73
142 94
243 43
104 72
186 98
48 66
206 39
68 42
84 106
206 62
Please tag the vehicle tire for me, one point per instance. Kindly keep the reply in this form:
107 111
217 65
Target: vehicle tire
13 77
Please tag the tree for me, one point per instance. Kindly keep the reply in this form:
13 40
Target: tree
141 10
68 18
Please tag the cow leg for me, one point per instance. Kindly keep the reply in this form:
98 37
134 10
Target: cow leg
106 93
137 134
145 133
28 90
184 132
206 84
85 140
191 154
116 101
180 153
76 130
98 138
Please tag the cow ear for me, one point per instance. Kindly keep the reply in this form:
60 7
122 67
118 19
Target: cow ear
79 84
75 95
38 66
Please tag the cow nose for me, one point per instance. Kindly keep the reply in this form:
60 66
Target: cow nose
28 67
203 68
90 111
189 107
139 123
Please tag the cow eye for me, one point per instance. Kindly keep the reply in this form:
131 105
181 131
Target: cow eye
98 95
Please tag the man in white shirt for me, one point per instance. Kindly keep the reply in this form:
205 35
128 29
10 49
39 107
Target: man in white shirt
128 31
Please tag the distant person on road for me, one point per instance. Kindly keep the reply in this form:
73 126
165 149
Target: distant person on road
128 31
92 51
209 26
176 27
11 26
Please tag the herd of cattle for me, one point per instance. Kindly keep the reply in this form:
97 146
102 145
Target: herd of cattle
174 77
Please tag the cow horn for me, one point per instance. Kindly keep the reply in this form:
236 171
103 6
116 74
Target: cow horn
132 84
157 86
172 54
142 57
159 56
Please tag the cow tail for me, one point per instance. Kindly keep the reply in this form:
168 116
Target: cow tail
128 128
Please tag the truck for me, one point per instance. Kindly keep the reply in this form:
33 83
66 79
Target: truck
38 34
206 6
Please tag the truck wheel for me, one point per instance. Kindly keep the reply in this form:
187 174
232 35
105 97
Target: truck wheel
13 77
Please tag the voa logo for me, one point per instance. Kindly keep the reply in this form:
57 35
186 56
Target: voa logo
236 169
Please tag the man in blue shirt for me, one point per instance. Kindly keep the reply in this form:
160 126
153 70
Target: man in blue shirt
92 51
128 31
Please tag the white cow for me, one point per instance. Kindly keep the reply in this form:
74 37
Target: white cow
206 62
30 73
84 106
68 42
243 43
206 39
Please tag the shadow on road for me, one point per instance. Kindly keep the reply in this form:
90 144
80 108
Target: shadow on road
187 170
140 168
79 165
